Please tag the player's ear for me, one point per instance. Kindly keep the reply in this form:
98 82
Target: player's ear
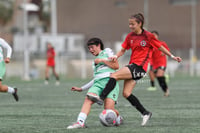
99 45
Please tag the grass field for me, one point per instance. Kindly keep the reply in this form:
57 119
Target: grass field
50 109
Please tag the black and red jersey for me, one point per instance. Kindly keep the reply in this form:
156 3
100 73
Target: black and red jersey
142 47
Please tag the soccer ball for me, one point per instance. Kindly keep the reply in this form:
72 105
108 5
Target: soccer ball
108 117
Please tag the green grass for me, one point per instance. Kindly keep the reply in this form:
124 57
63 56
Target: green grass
50 109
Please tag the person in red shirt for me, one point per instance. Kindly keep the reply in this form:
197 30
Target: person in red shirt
141 42
158 65
50 64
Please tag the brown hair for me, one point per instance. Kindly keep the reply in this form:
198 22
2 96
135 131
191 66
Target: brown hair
139 18
156 32
95 41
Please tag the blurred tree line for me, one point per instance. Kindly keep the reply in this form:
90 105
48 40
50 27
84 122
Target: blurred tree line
6 11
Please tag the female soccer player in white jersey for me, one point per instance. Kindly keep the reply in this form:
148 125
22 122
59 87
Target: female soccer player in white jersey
5 88
102 70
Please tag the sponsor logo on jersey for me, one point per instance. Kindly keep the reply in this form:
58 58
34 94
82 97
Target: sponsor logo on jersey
131 41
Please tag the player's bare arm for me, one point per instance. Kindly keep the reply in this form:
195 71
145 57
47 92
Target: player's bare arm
164 50
76 89
109 63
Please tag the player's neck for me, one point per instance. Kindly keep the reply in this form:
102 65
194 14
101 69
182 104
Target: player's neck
139 32
98 53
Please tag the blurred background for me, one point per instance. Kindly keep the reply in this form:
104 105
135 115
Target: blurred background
27 25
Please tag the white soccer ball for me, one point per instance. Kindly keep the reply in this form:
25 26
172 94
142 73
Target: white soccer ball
108 117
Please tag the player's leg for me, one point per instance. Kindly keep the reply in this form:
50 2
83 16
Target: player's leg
127 93
56 75
96 90
109 103
152 82
85 110
46 74
137 73
131 71
162 82
123 73
2 73
8 89
5 88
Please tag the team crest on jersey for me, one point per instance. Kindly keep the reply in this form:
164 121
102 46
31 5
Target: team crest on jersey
143 43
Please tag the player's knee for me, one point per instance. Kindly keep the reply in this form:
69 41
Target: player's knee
126 94
160 73
0 86
106 106
88 101
113 75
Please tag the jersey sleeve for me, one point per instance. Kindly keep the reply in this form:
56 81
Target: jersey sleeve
4 44
155 42
88 85
165 45
109 51
125 44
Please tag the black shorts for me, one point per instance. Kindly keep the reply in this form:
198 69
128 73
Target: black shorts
155 70
137 71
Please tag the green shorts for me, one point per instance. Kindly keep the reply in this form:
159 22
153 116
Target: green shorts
2 69
100 84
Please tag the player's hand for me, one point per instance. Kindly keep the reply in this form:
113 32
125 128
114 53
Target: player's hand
7 60
178 59
113 58
76 89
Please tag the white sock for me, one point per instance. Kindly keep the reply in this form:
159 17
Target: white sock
81 118
11 90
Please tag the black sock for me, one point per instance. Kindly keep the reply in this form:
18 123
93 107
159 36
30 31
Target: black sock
162 83
152 83
136 103
108 88
57 78
46 79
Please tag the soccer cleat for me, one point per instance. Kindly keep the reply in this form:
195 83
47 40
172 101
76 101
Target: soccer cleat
15 94
46 82
167 78
76 125
95 98
151 88
57 83
166 94
119 121
145 118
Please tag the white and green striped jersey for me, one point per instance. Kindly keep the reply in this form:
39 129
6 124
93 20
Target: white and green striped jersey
4 44
101 70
